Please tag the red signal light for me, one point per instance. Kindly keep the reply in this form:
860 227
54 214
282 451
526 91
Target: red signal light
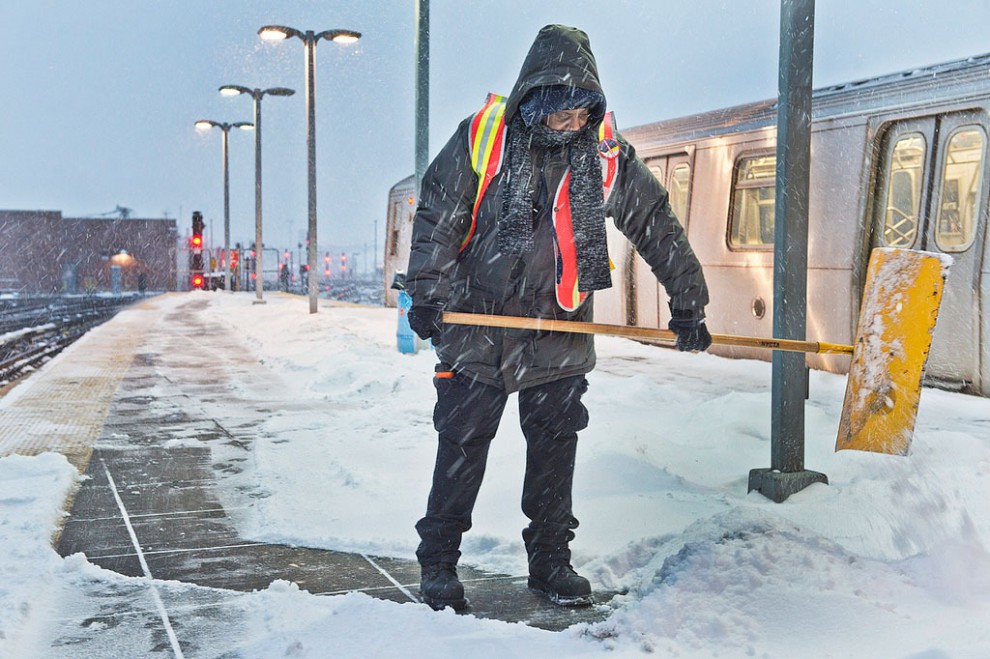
197 241
197 281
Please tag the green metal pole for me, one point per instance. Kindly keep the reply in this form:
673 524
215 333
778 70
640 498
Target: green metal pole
422 89
787 474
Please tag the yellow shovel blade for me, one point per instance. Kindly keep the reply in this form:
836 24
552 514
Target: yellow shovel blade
900 306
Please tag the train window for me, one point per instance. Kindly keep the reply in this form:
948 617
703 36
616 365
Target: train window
962 176
680 177
753 203
656 169
904 191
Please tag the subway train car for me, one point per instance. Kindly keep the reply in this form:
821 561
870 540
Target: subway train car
398 234
896 161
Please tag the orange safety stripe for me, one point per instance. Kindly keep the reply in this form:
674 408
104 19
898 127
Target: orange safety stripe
487 144
569 297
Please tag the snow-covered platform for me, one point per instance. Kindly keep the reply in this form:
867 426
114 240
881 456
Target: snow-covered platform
227 447
137 422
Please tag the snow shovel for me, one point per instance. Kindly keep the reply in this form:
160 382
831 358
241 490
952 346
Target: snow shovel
896 320
900 306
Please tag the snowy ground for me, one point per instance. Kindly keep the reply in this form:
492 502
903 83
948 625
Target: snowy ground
889 560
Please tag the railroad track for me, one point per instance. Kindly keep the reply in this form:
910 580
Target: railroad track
35 329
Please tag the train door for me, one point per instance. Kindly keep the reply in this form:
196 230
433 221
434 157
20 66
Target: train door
647 305
932 194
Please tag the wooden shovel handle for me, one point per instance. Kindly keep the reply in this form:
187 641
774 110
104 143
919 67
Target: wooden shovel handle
550 325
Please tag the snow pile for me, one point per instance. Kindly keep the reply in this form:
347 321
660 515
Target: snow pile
32 494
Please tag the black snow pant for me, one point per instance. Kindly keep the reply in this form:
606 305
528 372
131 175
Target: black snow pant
466 416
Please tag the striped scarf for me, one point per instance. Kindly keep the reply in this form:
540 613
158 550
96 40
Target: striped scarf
515 218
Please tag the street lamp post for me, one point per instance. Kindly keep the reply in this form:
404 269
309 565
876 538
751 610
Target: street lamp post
310 39
257 95
206 124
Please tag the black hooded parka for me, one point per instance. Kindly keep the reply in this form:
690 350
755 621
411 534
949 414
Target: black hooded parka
480 279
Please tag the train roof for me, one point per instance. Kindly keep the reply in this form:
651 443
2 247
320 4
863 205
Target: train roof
958 79
408 182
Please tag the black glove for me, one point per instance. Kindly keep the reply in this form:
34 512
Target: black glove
427 321
689 326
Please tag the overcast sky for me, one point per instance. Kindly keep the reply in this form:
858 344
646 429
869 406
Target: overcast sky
99 97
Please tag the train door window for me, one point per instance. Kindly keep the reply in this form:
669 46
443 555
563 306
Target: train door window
674 174
903 194
752 204
962 178
677 186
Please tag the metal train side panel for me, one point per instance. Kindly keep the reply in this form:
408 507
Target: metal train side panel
740 281
839 153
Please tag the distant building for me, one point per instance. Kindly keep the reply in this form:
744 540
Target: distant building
43 252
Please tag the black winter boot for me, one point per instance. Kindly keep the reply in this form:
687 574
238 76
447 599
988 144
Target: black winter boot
441 588
563 586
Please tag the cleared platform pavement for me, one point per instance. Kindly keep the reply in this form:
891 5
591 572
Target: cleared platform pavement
126 407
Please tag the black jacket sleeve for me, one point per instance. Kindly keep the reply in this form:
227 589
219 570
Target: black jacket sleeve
639 205
443 219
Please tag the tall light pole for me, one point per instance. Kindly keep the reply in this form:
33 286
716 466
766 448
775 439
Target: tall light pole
257 95
422 90
310 38
206 124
